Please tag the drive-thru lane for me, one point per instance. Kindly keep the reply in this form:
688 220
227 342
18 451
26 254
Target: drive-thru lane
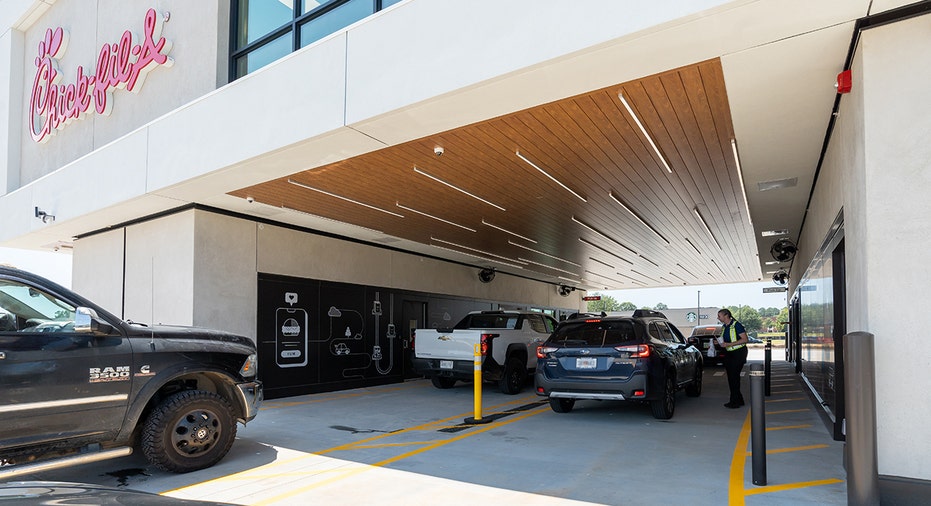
407 444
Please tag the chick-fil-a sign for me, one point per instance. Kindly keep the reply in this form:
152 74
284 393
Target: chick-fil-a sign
121 65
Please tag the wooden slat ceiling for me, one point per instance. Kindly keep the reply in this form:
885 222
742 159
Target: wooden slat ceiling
524 222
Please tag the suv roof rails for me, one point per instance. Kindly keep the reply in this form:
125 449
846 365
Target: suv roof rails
648 312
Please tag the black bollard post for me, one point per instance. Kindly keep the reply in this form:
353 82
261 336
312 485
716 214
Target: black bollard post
757 424
767 364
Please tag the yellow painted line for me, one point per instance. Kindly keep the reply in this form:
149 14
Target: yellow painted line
286 404
787 400
784 427
775 392
735 489
792 449
392 445
791 486
472 432
787 411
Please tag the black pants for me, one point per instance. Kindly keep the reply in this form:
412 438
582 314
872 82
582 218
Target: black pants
733 363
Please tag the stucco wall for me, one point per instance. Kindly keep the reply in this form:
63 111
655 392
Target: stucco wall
896 71
877 170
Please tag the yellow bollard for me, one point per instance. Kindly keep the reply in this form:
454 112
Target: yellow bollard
477 388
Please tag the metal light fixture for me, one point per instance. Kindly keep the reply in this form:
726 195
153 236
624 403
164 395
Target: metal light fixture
522 157
347 199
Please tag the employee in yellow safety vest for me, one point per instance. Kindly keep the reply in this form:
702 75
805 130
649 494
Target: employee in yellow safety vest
734 340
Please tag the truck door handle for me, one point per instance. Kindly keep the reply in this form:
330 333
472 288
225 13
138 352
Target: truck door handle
2 355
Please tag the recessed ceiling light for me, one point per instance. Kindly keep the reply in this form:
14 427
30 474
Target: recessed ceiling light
776 184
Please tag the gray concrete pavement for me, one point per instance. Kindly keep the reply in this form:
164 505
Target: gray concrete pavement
406 444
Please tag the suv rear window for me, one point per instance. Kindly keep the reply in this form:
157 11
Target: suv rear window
488 321
603 333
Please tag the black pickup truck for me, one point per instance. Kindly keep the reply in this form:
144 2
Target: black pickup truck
77 384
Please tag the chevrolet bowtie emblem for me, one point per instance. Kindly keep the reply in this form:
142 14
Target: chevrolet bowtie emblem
444 338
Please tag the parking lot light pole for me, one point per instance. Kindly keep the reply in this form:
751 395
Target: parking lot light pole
476 418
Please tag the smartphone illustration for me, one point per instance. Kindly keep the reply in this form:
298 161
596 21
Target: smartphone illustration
291 337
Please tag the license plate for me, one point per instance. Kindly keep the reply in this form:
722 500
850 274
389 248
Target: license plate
586 363
446 364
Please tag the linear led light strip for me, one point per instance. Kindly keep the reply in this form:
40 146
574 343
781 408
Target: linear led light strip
600 262
551 177
604 250
635 215
512 243
602 234
286 208
605 277
477 256
705 224
454 187
740 174
677 277
644 275
434 217
521 259
644 130
719 267
302 185
507 231
686 270
631 279
475 250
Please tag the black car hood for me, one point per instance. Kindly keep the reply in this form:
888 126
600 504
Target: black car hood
182 333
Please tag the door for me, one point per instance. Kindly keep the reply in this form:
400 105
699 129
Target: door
53 380
413 316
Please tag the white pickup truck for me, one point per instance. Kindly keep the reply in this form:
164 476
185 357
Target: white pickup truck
508 339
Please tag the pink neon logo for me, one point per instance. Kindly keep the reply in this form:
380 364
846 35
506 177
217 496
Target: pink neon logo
122 65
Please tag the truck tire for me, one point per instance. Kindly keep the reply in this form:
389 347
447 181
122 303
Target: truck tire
188 431
443 383
515 374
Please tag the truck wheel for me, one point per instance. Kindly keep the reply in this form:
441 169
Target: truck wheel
665 406
515 374
188 431
442 383
562 405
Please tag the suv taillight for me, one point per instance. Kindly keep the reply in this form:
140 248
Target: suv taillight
544 351
413 335
486 342
636 351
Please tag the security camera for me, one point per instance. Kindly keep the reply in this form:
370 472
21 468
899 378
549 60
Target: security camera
250 199
438 151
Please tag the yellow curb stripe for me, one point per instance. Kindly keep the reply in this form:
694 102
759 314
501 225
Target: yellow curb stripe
785 427
787 411
793 449
791 486
735 492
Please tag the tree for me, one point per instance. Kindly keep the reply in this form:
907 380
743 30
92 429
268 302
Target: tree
627 306
660 306
607 303
749 317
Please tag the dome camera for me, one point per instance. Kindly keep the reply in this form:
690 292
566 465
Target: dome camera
438 151
250 199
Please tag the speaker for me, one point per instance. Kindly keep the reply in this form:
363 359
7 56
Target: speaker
486 275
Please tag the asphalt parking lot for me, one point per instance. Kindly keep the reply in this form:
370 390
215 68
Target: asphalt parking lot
407 444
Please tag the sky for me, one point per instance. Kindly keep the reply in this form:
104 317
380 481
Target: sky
55 266
738 294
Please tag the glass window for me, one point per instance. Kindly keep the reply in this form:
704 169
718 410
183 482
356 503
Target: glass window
536 323
679 338
388 3
335 20
604 333
258 18
309 5
25 309
254 60
655 332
